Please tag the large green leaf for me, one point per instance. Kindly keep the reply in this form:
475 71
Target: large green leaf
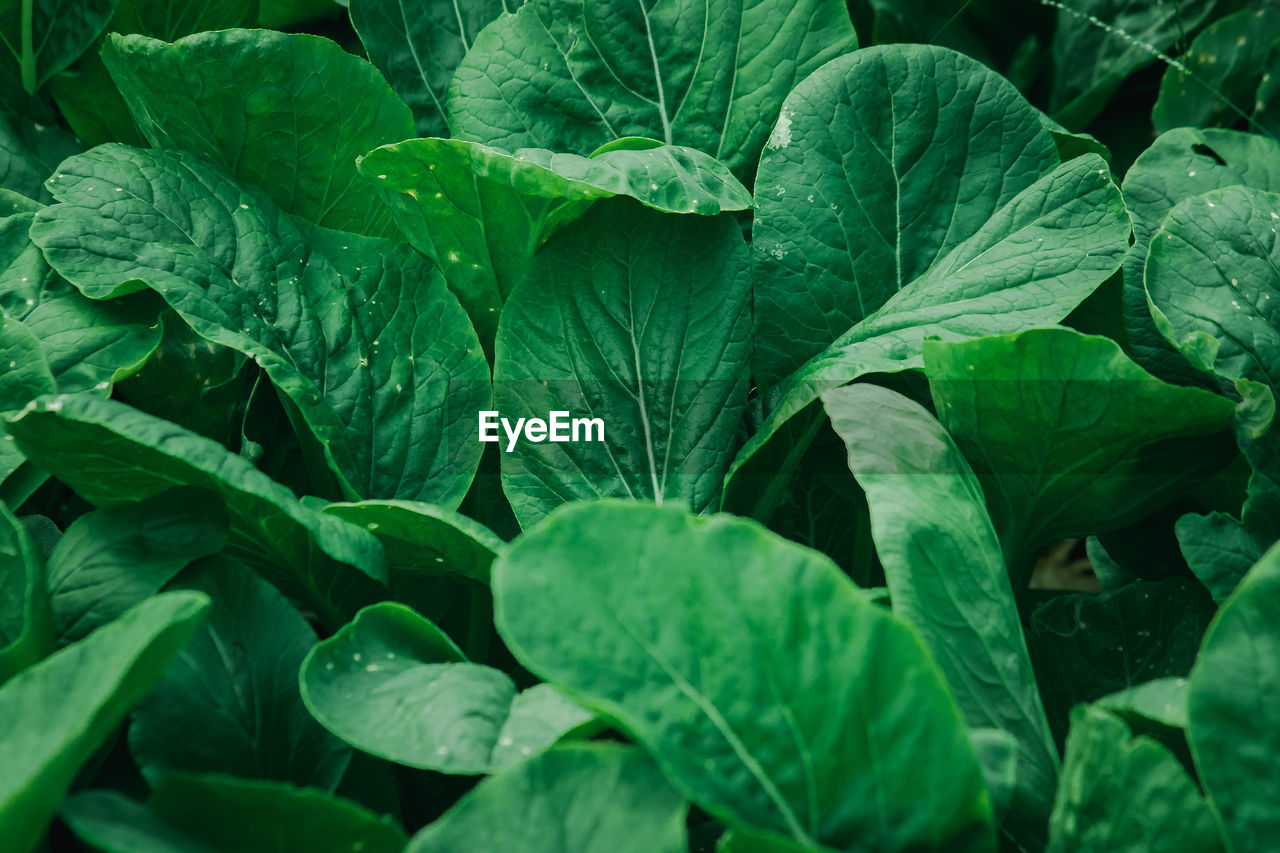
393 685
1121 794
361 334
236 683
1072 222
289 113
58 712
640 319
26 622
112 454
112 559
24 375
481 213
222 814
572 75
571 799
1099 43
770 690
417 45
1235 722
1212 275
1088 645
1180 164
39 38
1068 436
1218 78
946 576
880 165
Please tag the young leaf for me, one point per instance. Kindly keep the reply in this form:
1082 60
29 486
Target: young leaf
236 683
114 558
26 622
579 798
1072 221
417 45
865 185
1179 165
947 577
571 75
1229 57
262 106
1212 278
222 814
392 684
1099 43
1067 435
1121 794
112 454
46 737
1235 727
640 319
481 213
360 334
771 692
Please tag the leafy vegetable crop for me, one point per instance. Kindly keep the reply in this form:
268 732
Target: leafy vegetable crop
587 426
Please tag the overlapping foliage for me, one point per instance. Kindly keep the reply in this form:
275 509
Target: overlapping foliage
938 499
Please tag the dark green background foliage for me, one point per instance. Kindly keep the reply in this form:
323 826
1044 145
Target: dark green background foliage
937 344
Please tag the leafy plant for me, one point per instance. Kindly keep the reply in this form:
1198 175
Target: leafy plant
581 426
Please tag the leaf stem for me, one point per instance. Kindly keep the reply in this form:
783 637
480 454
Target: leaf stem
28 59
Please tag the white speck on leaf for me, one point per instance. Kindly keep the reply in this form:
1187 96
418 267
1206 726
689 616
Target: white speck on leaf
781 136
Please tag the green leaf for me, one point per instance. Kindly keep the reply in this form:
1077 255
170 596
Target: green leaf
29 153
481 213
1218 80
1067 435
112 454
33 50
1219 550
580 798
392 684
417 45
87 345
1088 645
770 690
1097 44
170 19
864 187
222 814
26 622
288 113
422 539
1071 221
946 576
47 737
360 334
572 75
251 646
1235 725
997 753
1162 701
1211 277
1121 794
642 320
112 559
1179 165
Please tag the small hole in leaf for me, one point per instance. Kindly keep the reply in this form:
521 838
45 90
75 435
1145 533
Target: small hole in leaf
1205 151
